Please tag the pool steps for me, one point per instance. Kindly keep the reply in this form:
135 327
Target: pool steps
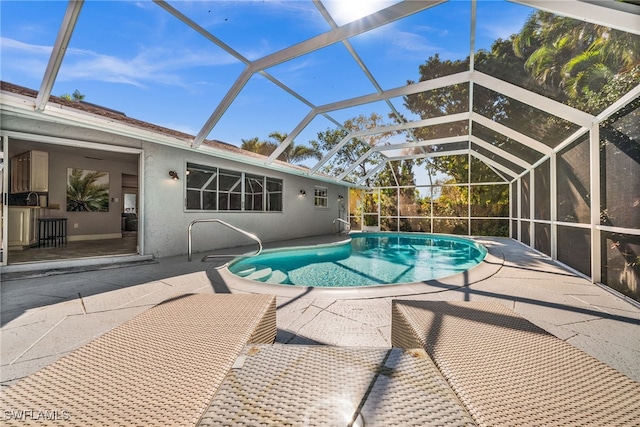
278 276
247 271
263 274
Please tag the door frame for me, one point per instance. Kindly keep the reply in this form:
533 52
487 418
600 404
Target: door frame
68 143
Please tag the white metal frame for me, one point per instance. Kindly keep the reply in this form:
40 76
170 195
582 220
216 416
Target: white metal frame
610 14
5 206
616 17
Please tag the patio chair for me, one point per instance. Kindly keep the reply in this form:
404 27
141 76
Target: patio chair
507 371
160 368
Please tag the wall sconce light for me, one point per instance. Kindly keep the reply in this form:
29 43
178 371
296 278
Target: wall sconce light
340 198
174 175
303 193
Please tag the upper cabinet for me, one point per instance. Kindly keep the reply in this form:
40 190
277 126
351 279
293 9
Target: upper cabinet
30 172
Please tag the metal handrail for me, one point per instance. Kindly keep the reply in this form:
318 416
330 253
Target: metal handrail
347 224
239 230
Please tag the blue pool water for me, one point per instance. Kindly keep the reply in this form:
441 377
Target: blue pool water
367 259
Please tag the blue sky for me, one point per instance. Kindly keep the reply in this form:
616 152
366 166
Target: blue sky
135 57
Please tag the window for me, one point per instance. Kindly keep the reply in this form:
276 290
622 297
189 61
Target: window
274 195
230 196
253 193
320 198
210 189
202 186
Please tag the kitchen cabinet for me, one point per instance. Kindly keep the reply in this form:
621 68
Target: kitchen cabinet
30 172
23 226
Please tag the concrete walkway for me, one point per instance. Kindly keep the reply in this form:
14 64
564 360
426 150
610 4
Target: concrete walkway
44 318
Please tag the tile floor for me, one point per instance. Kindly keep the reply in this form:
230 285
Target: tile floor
128 244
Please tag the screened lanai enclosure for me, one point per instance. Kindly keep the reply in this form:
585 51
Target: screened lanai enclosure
518 119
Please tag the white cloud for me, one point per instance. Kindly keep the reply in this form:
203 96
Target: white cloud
23 61
16 45
154 65
502 22
414 47
503 31
300 65
440 32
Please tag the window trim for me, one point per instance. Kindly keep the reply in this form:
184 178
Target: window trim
321 193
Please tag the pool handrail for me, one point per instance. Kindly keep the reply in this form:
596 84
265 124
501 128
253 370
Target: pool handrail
347 224
226 224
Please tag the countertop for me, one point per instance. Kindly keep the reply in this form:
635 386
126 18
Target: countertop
56 207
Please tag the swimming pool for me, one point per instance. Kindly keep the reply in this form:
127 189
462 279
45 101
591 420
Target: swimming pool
367 259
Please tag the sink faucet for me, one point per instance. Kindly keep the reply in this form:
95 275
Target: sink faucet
29 198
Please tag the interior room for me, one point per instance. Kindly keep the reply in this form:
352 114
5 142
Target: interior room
46 222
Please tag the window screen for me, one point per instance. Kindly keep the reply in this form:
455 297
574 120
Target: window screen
574 248
524 233
202 186
542 205
230 188
542 241
525 211
621 263
620 158
211 189
274 195
573 183
253 193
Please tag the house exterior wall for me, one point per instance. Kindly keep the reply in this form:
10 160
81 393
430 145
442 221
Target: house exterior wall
165 212
164 219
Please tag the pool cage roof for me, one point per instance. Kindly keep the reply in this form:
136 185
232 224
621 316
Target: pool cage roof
351 58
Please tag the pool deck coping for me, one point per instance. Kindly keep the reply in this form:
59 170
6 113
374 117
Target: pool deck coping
489 266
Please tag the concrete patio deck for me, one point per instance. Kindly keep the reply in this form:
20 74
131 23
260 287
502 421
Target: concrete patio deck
44 318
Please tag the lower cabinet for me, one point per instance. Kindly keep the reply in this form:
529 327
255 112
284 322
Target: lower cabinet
23 227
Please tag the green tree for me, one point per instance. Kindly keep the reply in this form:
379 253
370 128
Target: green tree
452 200
575 58
440 102
256 146
85 194
353 149
76 96
292 154
398 174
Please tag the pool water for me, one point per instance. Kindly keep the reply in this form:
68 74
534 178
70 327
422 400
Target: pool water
368 259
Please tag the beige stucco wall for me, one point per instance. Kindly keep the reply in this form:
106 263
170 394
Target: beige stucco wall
166 216
163 217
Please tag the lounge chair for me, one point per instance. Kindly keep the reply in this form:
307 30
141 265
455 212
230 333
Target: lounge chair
159 368
507 371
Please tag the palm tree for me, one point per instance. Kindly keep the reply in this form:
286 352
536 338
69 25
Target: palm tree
610 54
292 154
76 96
575 57
85 194
256 146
